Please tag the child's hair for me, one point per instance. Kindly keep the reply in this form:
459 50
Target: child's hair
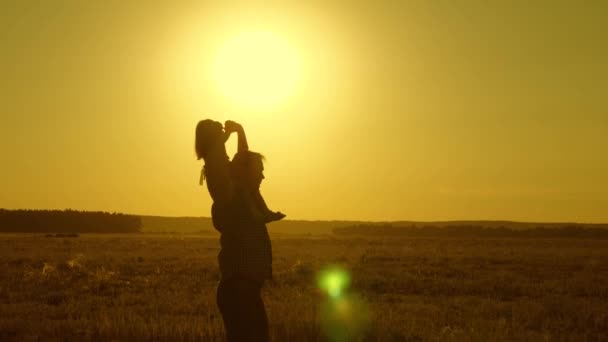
242 161
207 133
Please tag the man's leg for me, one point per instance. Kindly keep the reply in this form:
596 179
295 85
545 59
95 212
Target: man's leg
242 309
226 305
259 313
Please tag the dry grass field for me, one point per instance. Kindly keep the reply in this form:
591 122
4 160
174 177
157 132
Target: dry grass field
162 287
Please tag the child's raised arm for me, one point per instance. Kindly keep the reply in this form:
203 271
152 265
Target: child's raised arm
231 126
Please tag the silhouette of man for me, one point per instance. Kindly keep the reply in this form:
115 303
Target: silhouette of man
240 215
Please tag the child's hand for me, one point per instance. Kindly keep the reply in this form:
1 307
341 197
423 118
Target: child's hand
231 126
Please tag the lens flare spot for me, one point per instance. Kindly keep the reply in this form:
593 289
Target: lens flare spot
333 281
344 319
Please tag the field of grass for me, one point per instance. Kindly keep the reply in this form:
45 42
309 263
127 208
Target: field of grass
162 287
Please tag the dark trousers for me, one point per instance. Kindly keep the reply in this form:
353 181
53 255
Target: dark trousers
240 303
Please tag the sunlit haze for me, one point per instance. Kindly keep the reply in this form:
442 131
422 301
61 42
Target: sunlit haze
256 70
364 110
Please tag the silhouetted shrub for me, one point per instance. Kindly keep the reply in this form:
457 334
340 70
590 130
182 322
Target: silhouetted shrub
476 231
68 222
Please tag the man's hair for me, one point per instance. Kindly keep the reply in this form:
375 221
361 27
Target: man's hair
207 133
243 161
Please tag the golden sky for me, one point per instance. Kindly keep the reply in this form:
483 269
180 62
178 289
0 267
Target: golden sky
370 110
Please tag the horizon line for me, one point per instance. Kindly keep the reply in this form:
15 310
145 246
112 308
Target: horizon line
337 220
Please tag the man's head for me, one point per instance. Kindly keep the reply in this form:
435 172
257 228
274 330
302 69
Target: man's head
248 169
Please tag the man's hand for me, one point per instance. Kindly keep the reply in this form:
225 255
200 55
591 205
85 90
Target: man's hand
275 216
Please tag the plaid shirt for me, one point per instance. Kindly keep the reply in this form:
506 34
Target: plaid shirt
245 244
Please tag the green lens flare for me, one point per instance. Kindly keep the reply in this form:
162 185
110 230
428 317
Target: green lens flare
333 281
344 319
343 316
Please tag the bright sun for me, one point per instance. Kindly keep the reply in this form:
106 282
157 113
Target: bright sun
257 69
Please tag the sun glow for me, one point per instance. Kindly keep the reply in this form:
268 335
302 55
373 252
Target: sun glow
257 69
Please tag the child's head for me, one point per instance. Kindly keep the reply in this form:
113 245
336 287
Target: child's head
208 133
248 169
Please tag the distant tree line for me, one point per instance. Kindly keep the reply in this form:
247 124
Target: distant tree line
473 231
67 221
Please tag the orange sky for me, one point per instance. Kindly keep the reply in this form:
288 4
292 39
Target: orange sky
399 111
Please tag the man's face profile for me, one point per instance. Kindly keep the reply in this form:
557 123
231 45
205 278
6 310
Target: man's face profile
256 174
